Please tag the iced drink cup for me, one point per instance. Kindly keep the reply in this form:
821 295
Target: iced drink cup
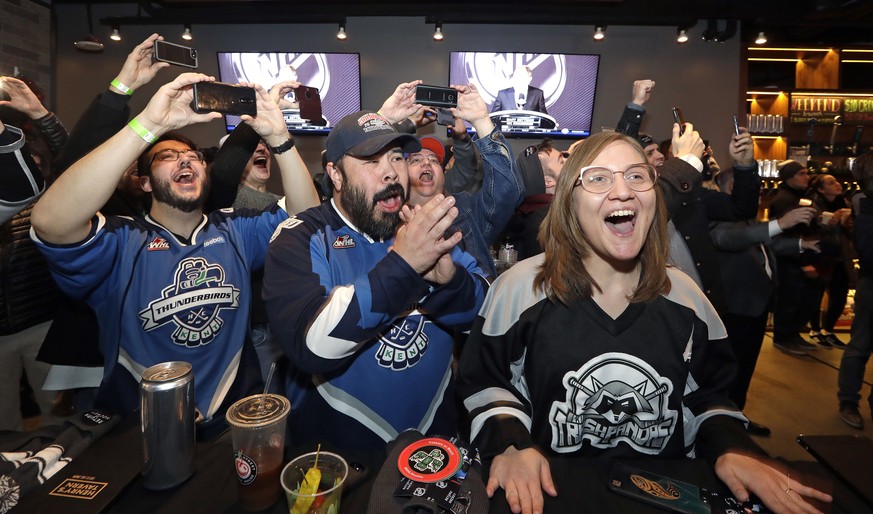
257 427
325 497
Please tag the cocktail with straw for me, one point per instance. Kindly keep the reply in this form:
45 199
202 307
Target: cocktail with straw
258 431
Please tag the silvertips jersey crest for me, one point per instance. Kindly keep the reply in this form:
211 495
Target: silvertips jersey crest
612 399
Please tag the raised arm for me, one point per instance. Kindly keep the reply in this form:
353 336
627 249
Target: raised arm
108 113
401 104
297 183
502 185
23 100
63 214
632 116
467 173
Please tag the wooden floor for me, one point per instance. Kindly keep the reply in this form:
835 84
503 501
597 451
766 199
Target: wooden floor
798 395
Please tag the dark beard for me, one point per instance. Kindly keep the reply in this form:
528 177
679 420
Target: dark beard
162 191
363 213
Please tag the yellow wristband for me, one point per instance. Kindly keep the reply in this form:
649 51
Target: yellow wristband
141 131
121 87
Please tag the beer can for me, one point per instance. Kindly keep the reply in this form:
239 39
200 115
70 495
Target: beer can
167 412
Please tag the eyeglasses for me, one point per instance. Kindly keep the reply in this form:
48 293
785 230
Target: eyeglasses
597 179
171 155
418 160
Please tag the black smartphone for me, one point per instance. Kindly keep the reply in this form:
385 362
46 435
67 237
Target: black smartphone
678 118
224 98
310 104
436 96
736 126
175 54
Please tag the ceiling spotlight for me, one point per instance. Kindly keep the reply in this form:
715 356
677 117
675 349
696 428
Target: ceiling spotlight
438 32
761 39
598 34
186 34
341 33
682 36
116 34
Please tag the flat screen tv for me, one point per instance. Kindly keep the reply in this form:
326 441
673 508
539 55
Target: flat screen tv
336 75
530 94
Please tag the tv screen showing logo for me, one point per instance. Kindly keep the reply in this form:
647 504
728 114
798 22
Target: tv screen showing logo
530 93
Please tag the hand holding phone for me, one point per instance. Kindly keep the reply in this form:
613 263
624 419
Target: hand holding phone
678 118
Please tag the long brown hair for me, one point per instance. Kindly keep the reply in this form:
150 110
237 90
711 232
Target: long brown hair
563 276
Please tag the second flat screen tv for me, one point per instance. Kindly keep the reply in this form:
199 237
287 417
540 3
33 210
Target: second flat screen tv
531 94
337 76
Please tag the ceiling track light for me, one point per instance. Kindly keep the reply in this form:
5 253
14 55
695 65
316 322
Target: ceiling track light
681 36
186 34
761 39
341 33
116 34
89 43
438 32
599 33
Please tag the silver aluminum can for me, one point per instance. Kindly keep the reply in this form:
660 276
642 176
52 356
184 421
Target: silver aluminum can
167 413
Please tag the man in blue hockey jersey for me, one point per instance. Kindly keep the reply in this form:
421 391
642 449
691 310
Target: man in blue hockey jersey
362 292
173 286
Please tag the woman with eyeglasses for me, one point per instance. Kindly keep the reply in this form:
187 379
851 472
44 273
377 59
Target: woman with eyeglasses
596 348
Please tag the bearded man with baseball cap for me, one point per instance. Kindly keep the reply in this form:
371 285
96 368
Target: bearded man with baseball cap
361 292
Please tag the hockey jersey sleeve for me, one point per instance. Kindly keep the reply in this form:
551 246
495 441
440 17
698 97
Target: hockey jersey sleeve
712 423
490 372
84 271
321 318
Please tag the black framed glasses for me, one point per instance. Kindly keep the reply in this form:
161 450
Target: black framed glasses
597 179
171 155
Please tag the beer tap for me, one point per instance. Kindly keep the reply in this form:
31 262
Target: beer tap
838 120
856 140
810 134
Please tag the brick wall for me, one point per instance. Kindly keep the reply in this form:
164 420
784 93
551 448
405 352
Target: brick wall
25 42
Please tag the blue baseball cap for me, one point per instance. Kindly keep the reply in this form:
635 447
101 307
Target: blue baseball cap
365 133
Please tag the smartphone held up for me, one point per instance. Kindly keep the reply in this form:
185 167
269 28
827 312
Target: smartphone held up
678 118
172 53
224 98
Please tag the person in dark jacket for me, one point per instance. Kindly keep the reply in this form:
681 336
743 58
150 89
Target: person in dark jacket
747 259
857 352
796 274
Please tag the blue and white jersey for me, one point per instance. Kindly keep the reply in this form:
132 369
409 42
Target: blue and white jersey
158 299
372 337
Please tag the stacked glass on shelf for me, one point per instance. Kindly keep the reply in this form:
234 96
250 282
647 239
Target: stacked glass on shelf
765 123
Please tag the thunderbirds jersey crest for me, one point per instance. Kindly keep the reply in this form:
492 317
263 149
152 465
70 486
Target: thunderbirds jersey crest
159 299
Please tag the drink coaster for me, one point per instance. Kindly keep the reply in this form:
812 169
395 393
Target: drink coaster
429 460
